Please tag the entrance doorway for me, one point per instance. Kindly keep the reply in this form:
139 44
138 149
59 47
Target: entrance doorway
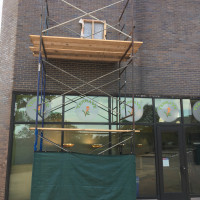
172 164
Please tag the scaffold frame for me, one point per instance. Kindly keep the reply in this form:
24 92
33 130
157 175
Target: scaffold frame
125 59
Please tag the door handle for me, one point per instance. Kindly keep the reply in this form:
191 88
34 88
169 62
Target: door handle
183 168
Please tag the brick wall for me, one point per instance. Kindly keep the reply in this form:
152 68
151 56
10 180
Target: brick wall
26 65
167 63
7 57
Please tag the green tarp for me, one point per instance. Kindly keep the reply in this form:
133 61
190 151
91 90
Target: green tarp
72 176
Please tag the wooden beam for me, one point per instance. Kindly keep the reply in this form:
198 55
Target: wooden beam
82 40
85 130
100 59
51 51
92 44
84 49
58 45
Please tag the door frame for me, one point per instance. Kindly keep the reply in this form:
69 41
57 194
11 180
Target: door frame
183 163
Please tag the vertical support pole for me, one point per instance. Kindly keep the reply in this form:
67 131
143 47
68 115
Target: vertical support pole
38 88
46 26
41 97
125 96
63 121
43 84
133 95
120 103
110 127
43 102
37 105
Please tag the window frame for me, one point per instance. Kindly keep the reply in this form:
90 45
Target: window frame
93 22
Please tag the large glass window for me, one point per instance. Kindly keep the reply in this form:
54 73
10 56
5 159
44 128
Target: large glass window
193 158
142 107
168 110
22 159
25 108
145 157
85 141
191 111
93 112
88 109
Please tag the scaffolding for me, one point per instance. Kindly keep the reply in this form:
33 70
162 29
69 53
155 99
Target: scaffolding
119 51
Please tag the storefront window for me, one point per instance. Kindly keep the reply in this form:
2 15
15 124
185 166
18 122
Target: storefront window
143 110
22 159
93 113
86 142
25 108
168 110
20 108
145 156
191 110
54 136
88 109
193 158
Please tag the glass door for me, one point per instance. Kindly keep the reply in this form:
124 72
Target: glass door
172 168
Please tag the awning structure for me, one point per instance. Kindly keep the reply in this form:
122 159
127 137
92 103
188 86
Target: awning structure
83 49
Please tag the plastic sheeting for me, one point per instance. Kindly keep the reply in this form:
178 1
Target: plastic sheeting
72 176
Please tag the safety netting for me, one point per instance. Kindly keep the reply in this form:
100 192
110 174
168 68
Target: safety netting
73 176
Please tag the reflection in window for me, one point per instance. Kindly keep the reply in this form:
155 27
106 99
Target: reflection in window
20 108
145 157
191 111
54 136
193 158
88 109
171 161
143 110
86 142
54 114
168 110
25 108
22 159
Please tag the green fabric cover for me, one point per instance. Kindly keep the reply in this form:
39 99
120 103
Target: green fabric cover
72 176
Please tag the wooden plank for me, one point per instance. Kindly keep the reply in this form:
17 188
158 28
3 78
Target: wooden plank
84 47
92 43
85 130
83 40
51 51
64 57
58 45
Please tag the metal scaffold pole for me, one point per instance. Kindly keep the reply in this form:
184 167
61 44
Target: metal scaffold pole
38 88
133 91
